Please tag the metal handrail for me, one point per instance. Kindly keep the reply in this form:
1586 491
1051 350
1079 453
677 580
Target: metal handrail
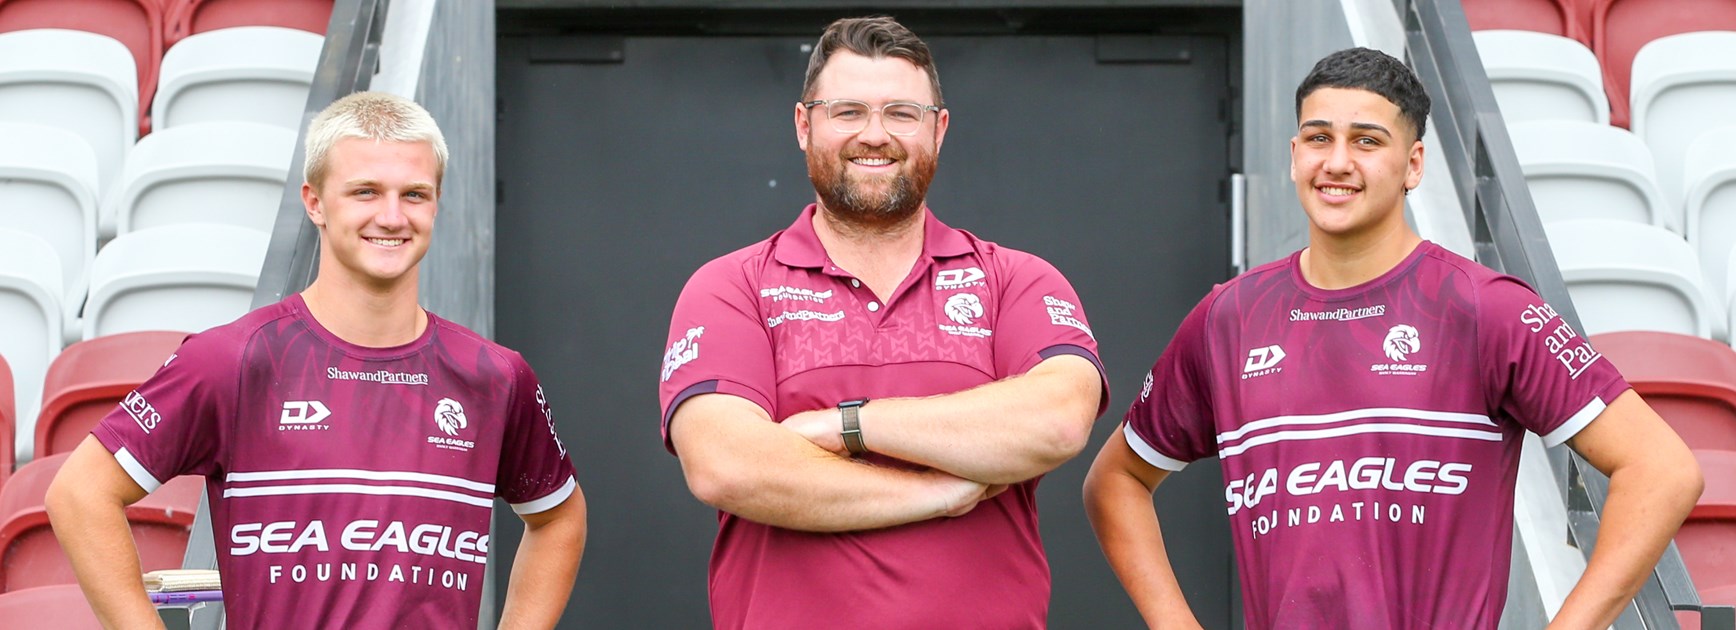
1509 237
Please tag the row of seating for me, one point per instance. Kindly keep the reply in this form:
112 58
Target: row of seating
186 277
148 28
84 83
1614 30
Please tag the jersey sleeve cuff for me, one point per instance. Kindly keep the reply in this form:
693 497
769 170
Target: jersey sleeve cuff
548 501
1575 423
1088 355
137 471
709 386
1149 454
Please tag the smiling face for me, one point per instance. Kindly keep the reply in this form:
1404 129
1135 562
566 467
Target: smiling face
1352 160
870 178
375 210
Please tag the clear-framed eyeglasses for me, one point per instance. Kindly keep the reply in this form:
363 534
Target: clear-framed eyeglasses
898 119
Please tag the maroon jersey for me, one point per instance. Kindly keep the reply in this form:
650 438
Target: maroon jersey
1370 436
350 487
779 325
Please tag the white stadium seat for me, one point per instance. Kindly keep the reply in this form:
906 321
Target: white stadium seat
248 73
30 315
79 81
186 277
48 187
1629 276
1730 296
213 172
1581 170
1682 85
1539 76
1709 177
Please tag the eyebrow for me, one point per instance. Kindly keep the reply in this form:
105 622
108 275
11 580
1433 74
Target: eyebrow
1355 125
369 182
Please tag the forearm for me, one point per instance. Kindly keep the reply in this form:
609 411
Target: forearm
1003 432
1120 510
543 572
738 461
1642 513
94 534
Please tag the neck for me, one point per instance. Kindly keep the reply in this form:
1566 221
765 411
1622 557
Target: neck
1341 262
373 317
878 255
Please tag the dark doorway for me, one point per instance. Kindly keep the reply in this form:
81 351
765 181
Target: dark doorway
628 158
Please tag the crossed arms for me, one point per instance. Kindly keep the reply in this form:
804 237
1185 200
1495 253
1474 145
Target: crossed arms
973 442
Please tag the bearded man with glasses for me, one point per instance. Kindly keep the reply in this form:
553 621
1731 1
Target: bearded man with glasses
836 511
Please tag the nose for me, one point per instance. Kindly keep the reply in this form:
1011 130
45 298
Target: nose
875 133
1338 158
391 213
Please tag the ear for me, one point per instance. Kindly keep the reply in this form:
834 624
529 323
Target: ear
803 126
310 200
941 120
1414 171
1293 142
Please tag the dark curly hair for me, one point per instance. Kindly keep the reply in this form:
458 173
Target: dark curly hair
1374 71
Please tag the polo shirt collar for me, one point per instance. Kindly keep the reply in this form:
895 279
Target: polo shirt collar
800 246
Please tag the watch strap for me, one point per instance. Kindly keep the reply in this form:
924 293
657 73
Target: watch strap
852 427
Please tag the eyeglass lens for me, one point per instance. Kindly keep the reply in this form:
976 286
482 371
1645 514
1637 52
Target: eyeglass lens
852 116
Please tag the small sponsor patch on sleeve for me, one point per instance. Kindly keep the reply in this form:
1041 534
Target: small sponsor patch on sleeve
685 350
1062 313
1571 351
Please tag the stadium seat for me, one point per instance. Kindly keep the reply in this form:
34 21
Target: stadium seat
8 421
188 17
1619 28
48 187
31 316
1555 17
1582 170
1631 276
1538 76
1708 539
1690 381
61 606
186 277
136 24
1683 85
251 73
78 81
1709 178
215 172
30 556
90 377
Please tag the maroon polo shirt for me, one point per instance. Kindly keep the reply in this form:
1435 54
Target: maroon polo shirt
778 324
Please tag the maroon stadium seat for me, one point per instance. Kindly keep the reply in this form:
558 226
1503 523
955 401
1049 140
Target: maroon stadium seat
1708 539
90 377
136 23
30 555
187 17
1690 381
61 607
1555 17
1620 27
8 420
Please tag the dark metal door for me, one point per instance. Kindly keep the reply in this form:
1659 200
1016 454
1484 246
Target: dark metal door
627 162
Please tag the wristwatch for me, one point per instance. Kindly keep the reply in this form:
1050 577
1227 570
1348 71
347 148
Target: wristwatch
852 432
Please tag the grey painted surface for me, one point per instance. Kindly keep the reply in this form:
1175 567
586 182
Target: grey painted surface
1288 36
620 179
457 87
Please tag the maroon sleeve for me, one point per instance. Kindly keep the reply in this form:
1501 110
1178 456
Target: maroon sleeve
1537 369
173 423
718 343
1040 317
535 472
1171 423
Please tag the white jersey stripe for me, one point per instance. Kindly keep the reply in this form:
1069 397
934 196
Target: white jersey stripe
1149 454
137 471
351 473
1354 414
1574 423
548 501
1321 434
348 488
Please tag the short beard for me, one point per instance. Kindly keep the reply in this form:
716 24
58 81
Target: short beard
850 202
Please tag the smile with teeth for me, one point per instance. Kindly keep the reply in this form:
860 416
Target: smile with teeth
1337 191
387 242
866 161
